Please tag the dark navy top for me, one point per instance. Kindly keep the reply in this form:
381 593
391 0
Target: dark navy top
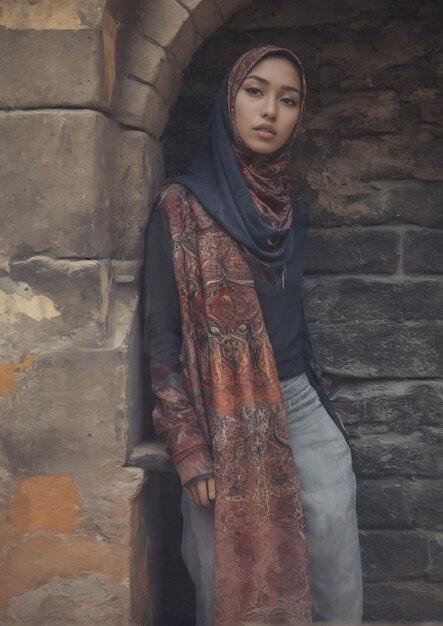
282 308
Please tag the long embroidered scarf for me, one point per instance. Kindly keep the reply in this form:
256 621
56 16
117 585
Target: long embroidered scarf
261 563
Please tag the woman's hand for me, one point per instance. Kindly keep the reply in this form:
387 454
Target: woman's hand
202 492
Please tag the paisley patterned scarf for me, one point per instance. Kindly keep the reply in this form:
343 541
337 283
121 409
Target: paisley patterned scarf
230 379
265 174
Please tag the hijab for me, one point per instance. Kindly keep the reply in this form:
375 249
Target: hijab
248 194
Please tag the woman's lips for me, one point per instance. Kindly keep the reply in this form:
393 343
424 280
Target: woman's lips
264 133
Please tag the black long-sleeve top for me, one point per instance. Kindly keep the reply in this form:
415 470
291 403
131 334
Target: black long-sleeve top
282 308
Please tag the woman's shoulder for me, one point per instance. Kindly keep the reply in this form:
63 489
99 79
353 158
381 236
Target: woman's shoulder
171 195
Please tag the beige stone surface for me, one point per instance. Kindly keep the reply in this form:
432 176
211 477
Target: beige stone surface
138 56
52 184
51 14
169 81
155 115
52 68
67 544
137 171
161 21
140 106
67 300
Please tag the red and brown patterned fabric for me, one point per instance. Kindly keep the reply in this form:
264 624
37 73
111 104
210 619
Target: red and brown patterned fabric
237 426
266 175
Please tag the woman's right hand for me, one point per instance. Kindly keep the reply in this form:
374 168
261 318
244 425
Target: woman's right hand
202 492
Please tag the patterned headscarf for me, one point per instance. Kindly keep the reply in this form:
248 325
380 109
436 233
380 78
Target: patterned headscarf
266 174
247 193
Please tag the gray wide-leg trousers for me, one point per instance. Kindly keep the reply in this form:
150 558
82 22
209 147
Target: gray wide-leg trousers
328 488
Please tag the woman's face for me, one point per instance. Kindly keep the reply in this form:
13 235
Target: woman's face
267 104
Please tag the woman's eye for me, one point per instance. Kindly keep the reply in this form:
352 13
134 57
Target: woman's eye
253 90
289 101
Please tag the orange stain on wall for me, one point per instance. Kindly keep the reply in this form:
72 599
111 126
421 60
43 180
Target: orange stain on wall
9 369
26 362
38 544
7 377
45 502
40 558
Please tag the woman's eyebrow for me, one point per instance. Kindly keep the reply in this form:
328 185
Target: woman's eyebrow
266 82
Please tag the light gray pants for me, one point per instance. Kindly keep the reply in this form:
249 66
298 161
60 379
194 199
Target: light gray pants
328 489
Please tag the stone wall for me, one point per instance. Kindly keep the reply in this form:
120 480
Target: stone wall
86 89
370 165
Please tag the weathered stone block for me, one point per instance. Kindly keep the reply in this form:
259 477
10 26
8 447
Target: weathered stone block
139 105
77 600
426 504
406 601
353 299
136 175
44 298
352 250
430 104
137 56
397 455
393 44
53 15
205 15
66 525
228 7
129 102
185 43
382 505
368 111
156 114
393 555
52 184
394 406
379 350
422 300
73 404
169 81
417 155
423 251
435 570
287 14
51 68
379 202
416 202
169 24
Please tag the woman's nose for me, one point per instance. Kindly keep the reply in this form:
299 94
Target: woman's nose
269 108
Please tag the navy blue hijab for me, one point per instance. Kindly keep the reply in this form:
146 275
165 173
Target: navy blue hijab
216 176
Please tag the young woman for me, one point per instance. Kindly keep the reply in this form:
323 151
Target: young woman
269 523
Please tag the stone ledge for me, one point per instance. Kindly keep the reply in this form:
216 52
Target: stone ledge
151 455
